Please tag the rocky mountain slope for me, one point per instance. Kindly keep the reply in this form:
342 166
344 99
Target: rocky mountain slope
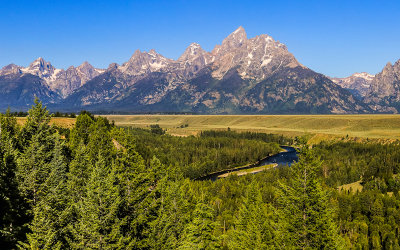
19 85
358 83
384 92
18 91
241 75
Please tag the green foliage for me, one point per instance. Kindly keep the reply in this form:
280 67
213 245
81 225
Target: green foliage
376 164
13 212
198 234
81 130
176 204
98 225
254 225
156 129
50 214
280 139
306 218
37 122
98 186
198 156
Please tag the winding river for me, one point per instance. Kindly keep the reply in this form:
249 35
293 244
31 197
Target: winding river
285 158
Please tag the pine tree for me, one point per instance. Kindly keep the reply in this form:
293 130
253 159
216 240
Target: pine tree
13 212
254 226
81 131
34 166
176 205
98 224
50 215
199 233
100 141
37 140
9 128
37 123
79 172
306 217
138 187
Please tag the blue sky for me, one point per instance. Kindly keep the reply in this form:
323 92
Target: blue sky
336 38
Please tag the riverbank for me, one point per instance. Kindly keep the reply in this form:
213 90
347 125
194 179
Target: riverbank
248 171
285 157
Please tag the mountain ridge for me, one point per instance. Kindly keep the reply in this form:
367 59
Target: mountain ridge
240 75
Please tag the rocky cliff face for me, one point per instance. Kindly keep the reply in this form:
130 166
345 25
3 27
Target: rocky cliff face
358 83
384 92
256 58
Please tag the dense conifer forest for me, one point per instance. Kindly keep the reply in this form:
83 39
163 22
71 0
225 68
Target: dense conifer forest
98 186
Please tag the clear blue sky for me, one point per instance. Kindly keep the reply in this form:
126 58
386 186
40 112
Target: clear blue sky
335 38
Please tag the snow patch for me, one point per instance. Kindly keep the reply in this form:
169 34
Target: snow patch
265 62
157 65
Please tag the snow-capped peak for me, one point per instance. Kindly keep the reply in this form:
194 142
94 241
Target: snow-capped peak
152 52
364 75
144 62
192 52
40 68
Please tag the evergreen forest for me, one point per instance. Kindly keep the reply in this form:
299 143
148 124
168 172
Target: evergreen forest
99 186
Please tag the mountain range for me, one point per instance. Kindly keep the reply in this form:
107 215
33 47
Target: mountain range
240 76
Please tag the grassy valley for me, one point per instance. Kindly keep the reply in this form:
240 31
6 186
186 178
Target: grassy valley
325 126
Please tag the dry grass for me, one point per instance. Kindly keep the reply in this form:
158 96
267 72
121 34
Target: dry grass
354 187
59 121
248 171
318 127
321 127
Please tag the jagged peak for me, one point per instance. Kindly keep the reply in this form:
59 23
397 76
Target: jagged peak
240 30
113 66
193 50
10 66
388 65
236 38
137 52
140 54
41 63
153 52
84 65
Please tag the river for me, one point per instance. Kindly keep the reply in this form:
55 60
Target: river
285 158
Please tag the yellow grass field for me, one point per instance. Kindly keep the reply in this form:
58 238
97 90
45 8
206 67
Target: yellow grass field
319 127
325 127
354 187
59 121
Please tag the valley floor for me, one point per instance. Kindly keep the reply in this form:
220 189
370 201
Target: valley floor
322 127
